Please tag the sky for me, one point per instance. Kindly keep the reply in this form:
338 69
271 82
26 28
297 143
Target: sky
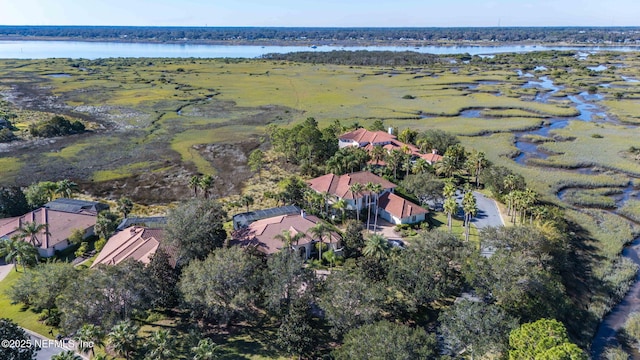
324 13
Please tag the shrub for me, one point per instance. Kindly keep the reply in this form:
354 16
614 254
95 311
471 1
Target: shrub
408 97
56 126
100 243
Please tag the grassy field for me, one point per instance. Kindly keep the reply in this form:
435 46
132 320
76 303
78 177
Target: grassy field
24 317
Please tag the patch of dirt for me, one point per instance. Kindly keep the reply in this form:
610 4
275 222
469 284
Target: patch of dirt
230 160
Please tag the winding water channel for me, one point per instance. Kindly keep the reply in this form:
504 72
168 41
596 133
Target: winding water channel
586 104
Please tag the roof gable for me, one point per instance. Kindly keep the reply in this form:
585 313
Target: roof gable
363 136
262 233
399 207
339 185
137 243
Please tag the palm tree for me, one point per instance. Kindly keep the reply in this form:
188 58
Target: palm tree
470 209
287 239
377 153
510 184
161 346
376 247
88 337
530 200
17 251
246 200
407 158
369 187
194 183
331 257
421 166
326 196
376 189
206 350
341 205
125 205
66 188
423 144
319 231
394 159
123 338
205 184
357 190
30 231
449 189
450 207
478 161
66 355
447 166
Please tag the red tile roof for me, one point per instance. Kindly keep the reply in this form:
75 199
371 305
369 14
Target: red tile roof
60 225
431 158
398 206
262 233
363 136
339 185
137 243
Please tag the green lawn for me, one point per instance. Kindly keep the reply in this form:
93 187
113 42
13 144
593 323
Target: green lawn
24 317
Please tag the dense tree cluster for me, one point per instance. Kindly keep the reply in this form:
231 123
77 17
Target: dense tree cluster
305 143
12 202
56 126
359 58
327 35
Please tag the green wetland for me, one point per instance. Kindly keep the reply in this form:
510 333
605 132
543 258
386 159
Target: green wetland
564 120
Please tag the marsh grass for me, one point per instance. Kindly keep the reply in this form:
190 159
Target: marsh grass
631 209
593 198
602 145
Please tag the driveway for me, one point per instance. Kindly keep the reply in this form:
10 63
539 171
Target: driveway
4 269
488 213
386 229
48 346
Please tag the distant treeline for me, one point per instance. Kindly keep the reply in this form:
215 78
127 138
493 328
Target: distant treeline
361 58
584 35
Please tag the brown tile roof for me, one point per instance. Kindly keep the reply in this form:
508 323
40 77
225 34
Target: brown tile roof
364 136
399 207
339 185
431 158
137 243
262 233
60 225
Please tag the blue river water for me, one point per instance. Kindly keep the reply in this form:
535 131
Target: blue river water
95 50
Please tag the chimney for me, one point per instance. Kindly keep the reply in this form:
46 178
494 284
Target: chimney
434 151
303 214
390 130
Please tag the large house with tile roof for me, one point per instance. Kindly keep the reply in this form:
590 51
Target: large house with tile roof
398 210
60 225
362 137
135 242
339 186
262 233
367 140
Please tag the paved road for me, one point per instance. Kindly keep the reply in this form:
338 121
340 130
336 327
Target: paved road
48 347
488 213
